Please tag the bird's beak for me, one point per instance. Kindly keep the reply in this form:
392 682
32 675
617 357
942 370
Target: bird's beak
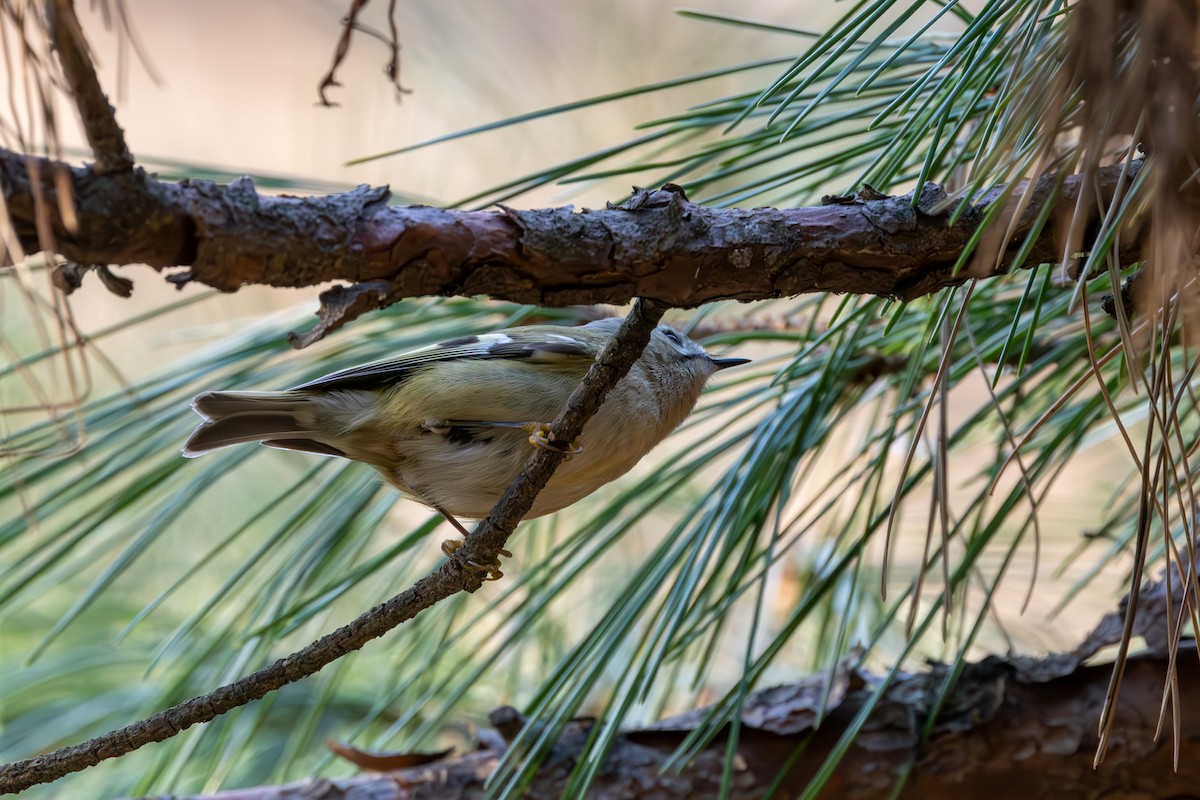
722 363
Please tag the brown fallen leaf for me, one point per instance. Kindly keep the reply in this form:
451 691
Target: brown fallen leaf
383 762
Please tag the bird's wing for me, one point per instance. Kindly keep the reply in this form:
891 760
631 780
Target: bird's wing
545 344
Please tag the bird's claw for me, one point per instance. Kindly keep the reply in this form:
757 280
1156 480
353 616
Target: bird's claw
539 437
491 571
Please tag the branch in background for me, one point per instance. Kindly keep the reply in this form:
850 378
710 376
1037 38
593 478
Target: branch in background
456 574
951 731
657 245
1024 724
104 135
350 24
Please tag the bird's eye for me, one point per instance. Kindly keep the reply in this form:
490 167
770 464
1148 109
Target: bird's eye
673 336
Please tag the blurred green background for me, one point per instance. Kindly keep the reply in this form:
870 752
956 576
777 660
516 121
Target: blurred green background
749 544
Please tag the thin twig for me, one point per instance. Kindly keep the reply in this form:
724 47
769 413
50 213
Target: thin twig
350 24
104 135
482 546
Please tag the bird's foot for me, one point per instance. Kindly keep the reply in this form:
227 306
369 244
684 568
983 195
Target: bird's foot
539 437
491 571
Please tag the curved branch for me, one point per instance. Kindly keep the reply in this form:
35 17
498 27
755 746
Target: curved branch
657 245
456 574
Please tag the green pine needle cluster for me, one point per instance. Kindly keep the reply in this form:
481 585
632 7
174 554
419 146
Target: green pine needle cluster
869 446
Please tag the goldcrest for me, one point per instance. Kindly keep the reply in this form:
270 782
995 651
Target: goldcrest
452 424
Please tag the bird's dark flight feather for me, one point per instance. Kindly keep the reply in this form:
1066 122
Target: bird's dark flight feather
395 370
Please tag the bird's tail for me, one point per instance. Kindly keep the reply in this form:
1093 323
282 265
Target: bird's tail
277 419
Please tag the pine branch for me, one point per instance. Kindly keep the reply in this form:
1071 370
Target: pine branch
455 575
1019 722
657 245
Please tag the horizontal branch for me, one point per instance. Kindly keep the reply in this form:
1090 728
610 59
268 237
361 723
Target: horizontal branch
657 245
1026 725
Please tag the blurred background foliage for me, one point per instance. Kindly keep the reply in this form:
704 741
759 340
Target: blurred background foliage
863 450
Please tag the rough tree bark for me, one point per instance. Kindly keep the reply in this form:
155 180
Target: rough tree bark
1019 728
657 245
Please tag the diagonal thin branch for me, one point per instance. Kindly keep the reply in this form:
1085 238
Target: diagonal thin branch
104 135
482 546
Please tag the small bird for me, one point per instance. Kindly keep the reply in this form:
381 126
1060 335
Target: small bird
451 425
